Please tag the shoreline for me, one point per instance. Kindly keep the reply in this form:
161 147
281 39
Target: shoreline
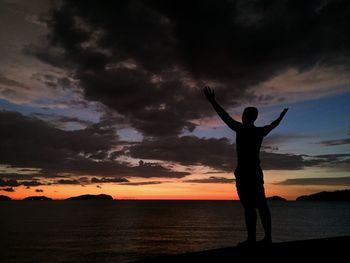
331 247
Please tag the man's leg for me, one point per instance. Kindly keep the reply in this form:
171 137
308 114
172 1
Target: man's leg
263 207
250 221
245 195
265 216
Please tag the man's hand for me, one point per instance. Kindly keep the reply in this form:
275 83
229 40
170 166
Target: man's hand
275 123
283 112
209 93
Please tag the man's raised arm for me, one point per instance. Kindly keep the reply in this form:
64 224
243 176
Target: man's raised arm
276 122
210 95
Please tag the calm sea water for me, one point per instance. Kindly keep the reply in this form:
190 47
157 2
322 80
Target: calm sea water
122 231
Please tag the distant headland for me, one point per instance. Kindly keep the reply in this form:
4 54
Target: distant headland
5 198
341 195
91 197
38 198
45 198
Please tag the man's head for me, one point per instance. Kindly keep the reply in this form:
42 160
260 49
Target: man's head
249 115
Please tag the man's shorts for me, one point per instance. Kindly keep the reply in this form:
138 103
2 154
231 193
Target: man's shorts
250 186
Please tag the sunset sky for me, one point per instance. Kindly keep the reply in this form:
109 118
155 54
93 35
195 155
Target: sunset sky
106 96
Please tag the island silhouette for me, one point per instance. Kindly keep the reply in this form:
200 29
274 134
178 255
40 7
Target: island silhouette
341 195
37 198
45 198
91 197
5 198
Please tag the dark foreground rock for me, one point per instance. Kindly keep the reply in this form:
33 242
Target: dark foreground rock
331 249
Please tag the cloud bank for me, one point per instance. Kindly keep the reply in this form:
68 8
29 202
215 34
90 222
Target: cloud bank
146 59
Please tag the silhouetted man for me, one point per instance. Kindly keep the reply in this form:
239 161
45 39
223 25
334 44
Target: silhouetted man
249 175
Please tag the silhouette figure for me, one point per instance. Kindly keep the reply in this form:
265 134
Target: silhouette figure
248 173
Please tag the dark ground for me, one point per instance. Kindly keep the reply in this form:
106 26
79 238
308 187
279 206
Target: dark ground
336 249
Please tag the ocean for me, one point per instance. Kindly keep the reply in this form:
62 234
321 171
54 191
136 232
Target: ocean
124 231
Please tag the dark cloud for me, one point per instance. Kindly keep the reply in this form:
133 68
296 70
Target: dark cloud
220 154
155 109
19 132
67 181
15 183
9 182
336 142
143 183
187 150
30 183
281 161
39 190
273 140
329 160
47 54
108 180
212 180
215 153
150 169
61 121
7 189
144 58
30 142
19 176
341 181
